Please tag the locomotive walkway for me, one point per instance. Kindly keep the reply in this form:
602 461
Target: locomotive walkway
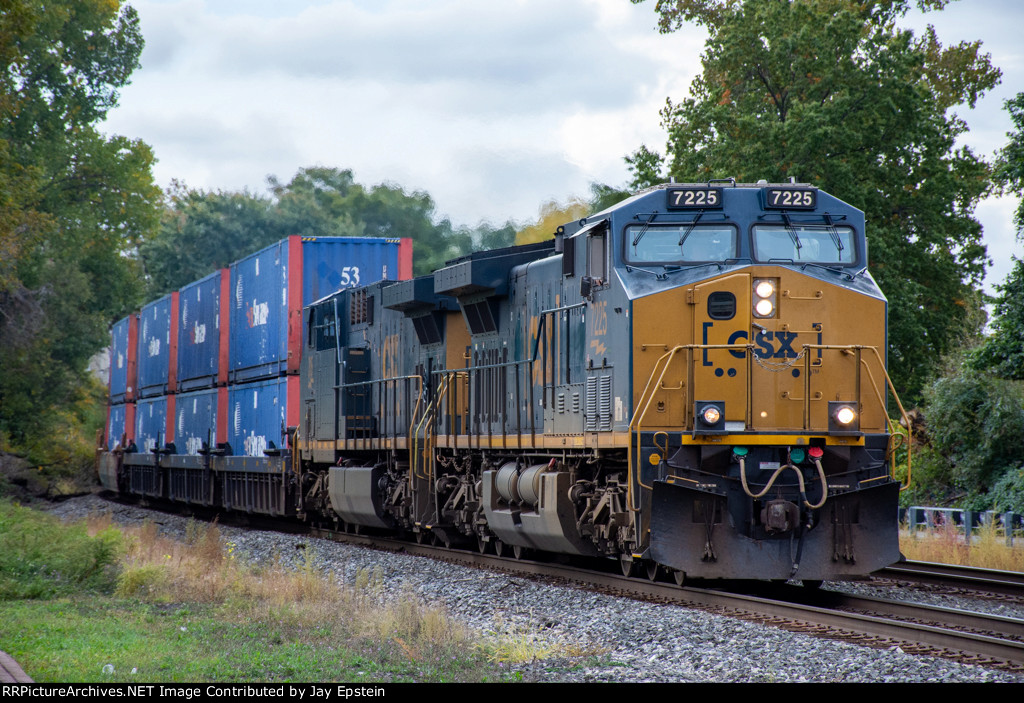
10 672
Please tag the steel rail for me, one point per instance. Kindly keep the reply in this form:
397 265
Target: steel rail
939 640
915 637
1008 583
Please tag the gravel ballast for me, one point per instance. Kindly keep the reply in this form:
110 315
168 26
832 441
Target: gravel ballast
636 642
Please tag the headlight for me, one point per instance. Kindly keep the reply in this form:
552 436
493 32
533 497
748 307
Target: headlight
845 415
765 293
711 415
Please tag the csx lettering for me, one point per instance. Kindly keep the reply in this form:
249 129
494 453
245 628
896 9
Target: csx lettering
735 338
768 345
785 349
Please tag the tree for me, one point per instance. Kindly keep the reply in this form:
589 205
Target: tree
1009 171
1002 353
329 201
201 232
552 214
832 93
976 423
74 203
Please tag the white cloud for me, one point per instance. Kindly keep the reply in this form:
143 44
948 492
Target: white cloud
491 107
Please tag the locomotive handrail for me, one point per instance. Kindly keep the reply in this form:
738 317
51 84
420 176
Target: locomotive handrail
638 418
663 362
878 395
391 381
469 372
428 414
414 436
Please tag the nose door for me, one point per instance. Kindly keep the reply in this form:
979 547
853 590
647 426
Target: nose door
721 318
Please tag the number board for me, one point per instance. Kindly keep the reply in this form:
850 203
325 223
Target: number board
790 198
694 198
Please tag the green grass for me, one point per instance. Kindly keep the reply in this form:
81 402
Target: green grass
40 558
92 603
74 639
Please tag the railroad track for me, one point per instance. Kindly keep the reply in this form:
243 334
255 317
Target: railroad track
964 636
916 628
968 578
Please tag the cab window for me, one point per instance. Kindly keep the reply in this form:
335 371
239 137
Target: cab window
805 244
679 244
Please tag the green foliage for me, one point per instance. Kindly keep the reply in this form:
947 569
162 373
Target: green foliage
931 480
976 424
487 236
141 581
328 201
40 557
202 231
604 196
1009 171
1008 492
831 92
74 203
646 167
1002 353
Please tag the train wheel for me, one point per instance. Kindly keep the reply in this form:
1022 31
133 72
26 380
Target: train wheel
812 584
520 552
679 577
628 567
481 545
653 569
421 537
499 548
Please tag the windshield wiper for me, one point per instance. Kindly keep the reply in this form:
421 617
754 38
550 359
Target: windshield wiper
834 233
643 230
689 230
833 269
791 231
660 276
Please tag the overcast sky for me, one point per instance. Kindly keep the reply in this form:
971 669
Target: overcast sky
491 106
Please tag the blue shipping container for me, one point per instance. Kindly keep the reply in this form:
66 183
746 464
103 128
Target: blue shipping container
199 333
151 423
155 323
270 288
123 347
196 421
120 422
259 415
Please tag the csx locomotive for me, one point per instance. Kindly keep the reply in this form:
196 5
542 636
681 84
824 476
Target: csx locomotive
690 382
